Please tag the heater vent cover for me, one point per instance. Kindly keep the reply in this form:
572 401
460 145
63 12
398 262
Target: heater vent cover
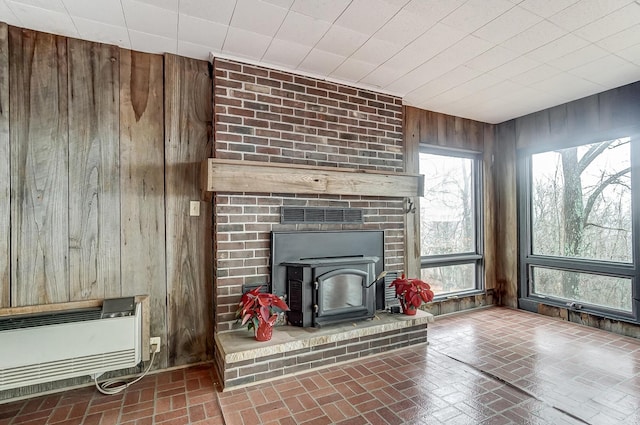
316 215
390 293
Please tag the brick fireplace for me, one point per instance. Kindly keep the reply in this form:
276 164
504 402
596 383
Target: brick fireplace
275 117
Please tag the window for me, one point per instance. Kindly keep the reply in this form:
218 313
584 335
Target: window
450 226
577 206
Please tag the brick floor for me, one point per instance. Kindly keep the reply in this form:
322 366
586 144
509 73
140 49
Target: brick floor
491 366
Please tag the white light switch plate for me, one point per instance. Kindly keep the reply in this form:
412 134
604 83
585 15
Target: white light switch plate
194 208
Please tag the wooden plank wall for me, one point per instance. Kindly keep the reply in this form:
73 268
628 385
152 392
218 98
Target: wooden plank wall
429 128
142 170
5 243
39 155
85 152
94 187
188 121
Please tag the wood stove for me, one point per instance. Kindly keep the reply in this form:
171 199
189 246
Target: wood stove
328 277
330 290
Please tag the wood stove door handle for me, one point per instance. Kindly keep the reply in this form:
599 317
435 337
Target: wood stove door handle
315 308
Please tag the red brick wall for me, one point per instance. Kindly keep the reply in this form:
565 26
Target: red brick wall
272 116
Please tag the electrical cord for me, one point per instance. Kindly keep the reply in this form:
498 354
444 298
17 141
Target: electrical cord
108 387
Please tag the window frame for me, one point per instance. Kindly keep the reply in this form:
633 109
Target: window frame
528 300
477 257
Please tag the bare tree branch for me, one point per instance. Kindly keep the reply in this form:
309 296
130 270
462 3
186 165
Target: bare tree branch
591 154
601 187
618 229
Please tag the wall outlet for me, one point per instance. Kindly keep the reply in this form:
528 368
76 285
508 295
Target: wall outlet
155 341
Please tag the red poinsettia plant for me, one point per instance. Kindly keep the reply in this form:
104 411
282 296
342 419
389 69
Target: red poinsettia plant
412 293
259 311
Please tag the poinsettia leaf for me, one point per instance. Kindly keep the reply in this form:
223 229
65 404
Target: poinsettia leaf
246 318
272 319
416 301
279 302
265 313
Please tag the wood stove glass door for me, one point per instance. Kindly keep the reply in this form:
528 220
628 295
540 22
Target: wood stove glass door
341 291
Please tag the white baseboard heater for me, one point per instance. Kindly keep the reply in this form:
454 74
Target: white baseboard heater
41 348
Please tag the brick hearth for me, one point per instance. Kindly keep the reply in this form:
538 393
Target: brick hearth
241 360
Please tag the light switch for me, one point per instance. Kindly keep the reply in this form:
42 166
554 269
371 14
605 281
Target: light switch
194 208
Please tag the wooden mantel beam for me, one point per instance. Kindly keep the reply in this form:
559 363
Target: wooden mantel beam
224 175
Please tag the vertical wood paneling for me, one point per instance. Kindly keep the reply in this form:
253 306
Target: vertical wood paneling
590 119
412 133
489 209
506 229
39 167
142 186
5 229
94 186
188 115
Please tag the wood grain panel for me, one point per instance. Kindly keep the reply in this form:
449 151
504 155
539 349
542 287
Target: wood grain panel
489 209
94 186
411 155
226 175
594 118
39 167
435 129
188 115
506 229
5 224
142 186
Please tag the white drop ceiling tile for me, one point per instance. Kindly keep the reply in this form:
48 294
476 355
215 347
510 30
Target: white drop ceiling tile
171 5
507 25
101 32
200 31
302 29
106 11
195 51
8 16
138 16
367 16
245 43
534 37
433 68
432 42
621 40
546 8
587 54
491 59
443 83
605 69
212 10
285 53
534 75
352 70
383 75
258 17
286 4
465 50
476 13
515 67
53 5
432 11
558 48
321 62
611 24
585 12
341 41
567 86
480 83
632 54
326 10
376 51
403 28
152 43
44 19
